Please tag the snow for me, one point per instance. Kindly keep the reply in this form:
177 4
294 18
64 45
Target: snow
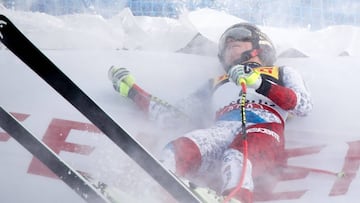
85 46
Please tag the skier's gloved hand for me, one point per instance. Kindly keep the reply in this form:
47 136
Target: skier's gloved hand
121 79
242 73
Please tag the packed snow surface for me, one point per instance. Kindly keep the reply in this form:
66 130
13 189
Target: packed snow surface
85 46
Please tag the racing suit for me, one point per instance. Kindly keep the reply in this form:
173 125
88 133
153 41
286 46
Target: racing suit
218 148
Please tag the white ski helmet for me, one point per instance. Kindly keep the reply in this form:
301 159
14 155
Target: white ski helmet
262 45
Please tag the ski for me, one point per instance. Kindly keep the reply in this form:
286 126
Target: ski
207 195
25 50
50 159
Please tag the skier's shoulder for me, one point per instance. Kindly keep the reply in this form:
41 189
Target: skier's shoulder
272 71
277 71
219 80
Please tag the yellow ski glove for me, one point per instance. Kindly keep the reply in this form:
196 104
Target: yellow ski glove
121 79
242 73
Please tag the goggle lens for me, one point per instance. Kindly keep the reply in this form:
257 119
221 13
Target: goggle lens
237 33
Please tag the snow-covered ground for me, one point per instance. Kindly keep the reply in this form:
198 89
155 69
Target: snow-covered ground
85 46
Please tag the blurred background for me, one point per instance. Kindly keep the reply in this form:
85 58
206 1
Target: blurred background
313 14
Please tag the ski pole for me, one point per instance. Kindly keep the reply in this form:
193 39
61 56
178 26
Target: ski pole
245 144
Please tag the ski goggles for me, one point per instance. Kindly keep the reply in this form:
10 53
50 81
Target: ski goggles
236 33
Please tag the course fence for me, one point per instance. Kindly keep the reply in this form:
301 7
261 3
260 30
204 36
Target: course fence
313 13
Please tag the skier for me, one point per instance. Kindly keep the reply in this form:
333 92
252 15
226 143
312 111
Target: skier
247 55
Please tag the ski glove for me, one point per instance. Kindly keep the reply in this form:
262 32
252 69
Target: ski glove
121 79
242 73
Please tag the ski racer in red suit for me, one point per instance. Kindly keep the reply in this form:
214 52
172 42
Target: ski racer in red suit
273 92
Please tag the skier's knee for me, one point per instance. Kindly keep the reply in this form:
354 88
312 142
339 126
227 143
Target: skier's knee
182 155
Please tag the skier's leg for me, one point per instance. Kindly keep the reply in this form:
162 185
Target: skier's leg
231 169
199 151
265 152
265 146
182 156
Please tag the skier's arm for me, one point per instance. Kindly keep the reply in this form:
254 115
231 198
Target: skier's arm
292 95
198 104
164 114
289 94
155 109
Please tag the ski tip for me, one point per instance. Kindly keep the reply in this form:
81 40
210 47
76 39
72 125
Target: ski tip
3 18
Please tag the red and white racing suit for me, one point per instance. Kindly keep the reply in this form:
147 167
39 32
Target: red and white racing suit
217 150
